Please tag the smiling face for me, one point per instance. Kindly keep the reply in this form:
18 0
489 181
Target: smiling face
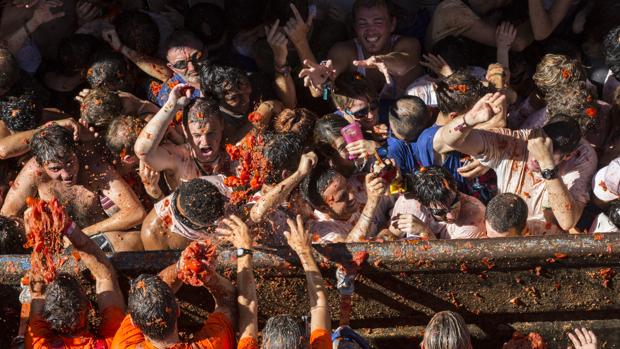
339 198
205 138
373 28
66 171
363 111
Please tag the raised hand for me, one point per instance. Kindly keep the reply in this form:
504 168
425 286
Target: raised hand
180 95
86 11
315 75
505 35
234 230
375 186
298 238
43 12
110 36
436 64
278 43
307 163
583 339
541 148
296 27
375 62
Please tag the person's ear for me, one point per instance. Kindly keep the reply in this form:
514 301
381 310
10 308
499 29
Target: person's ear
452 115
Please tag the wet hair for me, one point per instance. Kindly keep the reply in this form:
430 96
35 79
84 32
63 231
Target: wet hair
65 304
554 70
326 130
564 132
359 4
282 332
611 51
314 185
409 117
20 113
507 211
432 185
574 100
100 107
109 70
459 92
283 152
349 86
76 52
209 15
218 79
447 329
122 134
202 109
200 201
152 306
11 236
182 38
52 143
455 51
138 31
9 70
613 212
299 120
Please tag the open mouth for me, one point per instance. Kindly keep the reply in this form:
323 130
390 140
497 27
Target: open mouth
206 151
372 38
67 181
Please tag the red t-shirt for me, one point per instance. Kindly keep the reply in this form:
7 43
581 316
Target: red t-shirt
40 336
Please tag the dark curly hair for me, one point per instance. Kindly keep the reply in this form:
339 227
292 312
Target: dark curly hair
11 236
314 185
218 79
611 51
432 184
65 305
52 143
201 201
152 306
123 133
201 109
100 107
507 211
459 92
20 113
138 31
109 70
9 70
574 100
283 152
298 120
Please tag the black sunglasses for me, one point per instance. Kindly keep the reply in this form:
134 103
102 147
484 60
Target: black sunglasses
362 113
442 212
195 58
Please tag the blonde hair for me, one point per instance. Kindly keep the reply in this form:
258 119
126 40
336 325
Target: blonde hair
446 330
555 70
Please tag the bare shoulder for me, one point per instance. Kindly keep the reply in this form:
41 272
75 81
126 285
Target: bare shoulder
407 44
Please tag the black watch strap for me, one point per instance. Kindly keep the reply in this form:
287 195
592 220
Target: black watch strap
244 251
549 173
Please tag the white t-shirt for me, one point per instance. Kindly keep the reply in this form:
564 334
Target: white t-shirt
602 224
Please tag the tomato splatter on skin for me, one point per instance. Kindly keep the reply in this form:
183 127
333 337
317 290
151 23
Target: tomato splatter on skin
198 263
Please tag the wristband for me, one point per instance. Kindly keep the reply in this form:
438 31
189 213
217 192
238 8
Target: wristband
284 70
462 126
69 229
327 89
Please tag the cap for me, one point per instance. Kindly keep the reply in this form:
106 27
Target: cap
606 182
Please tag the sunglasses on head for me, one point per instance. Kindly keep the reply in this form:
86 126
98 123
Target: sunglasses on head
442 212
194 58
362 113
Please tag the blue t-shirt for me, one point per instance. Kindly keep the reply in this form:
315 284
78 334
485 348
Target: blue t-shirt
164 92
403 153
426 155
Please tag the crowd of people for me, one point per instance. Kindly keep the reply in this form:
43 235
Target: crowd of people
158 124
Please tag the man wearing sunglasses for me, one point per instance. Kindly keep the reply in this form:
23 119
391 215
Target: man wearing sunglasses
184 52
433 207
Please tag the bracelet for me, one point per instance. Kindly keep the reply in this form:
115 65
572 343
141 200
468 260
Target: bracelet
462 126
284 70
69 229
327 90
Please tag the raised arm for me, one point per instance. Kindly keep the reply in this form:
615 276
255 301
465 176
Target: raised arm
283 189
484 33
375 189
237 232
544 22
130 213
23 186
297 30
566 210
504 37
152 66
299 239
147 145
404 59
459 134
42 14
285 86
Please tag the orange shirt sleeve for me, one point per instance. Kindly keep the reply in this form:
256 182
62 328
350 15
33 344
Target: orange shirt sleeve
111 319
320 339
247 343
217 332
127 336
38 332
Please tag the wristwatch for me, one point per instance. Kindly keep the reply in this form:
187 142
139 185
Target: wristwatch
549 173
243 251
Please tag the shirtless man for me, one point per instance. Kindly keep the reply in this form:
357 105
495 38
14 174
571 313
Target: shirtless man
93 193
389 62
202 125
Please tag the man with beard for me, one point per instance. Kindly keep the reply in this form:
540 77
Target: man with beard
94 194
